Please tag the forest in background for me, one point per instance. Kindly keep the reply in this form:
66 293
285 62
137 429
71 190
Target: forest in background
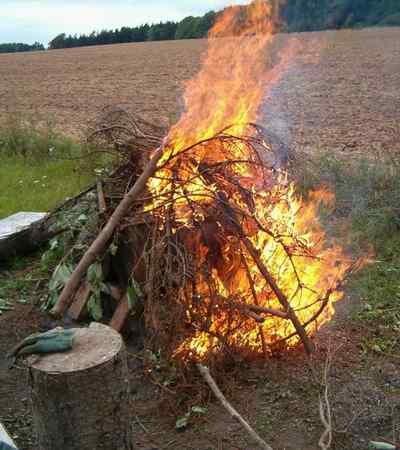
13 47
296 16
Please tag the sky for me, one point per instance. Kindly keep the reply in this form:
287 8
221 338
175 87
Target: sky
41 20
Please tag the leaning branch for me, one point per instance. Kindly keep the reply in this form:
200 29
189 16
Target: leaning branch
103 240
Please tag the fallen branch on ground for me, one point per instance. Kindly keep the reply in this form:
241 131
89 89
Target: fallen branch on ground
205 373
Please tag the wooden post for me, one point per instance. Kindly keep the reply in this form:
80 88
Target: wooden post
81 398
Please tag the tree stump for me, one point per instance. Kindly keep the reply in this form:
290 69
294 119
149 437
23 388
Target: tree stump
81 398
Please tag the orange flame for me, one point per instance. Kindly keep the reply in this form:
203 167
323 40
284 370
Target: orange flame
291 243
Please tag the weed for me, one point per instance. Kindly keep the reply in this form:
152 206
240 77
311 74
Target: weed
40 168
18 281
368 206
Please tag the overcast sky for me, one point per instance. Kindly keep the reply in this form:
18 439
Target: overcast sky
41 20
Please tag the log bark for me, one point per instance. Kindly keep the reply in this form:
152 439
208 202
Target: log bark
102 241
81 398
27 240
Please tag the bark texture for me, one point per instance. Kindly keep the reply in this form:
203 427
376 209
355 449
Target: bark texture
27 240
81 399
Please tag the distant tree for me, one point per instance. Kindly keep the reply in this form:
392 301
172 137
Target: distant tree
206 23
188 28
141 34
58 41
14 47
195 27
162 31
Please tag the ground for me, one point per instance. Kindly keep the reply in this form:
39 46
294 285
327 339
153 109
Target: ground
279 396
340 90
340 87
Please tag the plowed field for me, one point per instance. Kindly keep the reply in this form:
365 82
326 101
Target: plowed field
341 89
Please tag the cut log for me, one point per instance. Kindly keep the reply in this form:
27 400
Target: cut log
23 233
81 399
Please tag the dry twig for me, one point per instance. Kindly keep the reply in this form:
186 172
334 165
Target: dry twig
205 373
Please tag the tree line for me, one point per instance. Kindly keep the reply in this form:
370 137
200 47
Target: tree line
14 47
297 15
314 15
189 28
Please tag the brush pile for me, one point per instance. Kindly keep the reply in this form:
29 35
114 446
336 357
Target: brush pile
227 260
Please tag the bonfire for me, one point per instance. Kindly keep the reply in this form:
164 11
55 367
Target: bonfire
236 263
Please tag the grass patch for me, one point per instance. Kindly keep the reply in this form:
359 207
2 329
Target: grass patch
368 209
367 197
39 167
19 280
27 185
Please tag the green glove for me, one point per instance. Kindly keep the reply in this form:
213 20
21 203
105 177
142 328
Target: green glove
381 446
53 341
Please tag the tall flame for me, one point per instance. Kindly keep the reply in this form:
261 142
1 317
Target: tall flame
227 92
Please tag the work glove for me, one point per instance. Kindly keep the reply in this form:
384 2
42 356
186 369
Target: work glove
53 341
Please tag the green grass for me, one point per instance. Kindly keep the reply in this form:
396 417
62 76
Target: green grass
367 197
29 185
366 218
39 167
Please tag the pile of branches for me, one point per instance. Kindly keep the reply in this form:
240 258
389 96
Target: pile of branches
197 259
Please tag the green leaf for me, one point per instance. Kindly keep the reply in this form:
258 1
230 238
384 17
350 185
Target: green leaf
134 293
113 249
95 274
53 244
94 307
199 409
83 218
5 306
60 277
182 422
106 288
132 297
51 300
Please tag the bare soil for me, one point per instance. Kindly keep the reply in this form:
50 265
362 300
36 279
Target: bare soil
279 396
340 90
71 86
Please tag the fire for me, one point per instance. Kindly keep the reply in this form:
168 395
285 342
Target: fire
240 224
